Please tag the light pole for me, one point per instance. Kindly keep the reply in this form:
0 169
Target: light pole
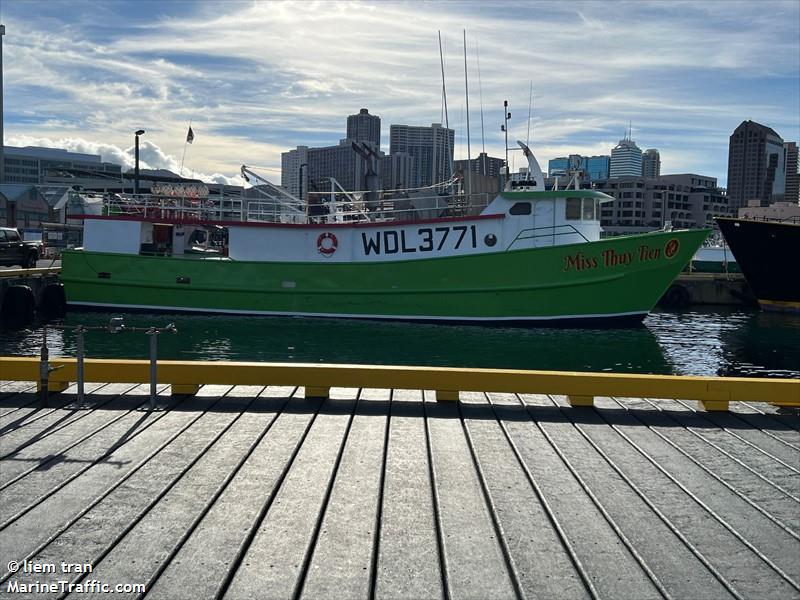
136 167
300 195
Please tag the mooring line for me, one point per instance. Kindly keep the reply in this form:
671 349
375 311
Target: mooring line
551 516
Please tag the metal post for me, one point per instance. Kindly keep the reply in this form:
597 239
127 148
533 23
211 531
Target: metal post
153 333
136 165
44 369
79 356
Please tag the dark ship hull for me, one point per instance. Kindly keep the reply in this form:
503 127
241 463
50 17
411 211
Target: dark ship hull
768 253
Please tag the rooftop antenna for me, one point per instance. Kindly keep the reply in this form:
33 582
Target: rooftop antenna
466 94
480 92
446 118
530 103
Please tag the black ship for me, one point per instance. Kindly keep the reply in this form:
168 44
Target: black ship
768 253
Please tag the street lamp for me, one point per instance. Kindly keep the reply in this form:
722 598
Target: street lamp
136 168
300 195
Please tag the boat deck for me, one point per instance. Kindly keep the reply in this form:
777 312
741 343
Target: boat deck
249 492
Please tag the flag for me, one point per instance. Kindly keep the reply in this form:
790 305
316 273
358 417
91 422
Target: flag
190 136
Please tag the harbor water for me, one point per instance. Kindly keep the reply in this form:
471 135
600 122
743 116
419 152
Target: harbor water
719 341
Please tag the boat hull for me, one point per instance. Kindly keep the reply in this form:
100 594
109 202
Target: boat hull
766 252
616 279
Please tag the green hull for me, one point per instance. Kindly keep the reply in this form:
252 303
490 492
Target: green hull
611 278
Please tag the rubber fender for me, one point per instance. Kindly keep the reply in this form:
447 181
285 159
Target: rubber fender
19 305
53 301
677 296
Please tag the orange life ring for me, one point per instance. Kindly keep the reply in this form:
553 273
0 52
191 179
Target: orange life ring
327 244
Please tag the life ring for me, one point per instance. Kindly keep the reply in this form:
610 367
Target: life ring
327 244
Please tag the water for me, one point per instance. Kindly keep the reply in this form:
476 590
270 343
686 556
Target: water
721 342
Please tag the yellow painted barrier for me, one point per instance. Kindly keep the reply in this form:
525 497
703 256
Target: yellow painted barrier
580 388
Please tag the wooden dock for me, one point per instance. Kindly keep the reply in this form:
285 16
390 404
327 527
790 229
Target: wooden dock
258 492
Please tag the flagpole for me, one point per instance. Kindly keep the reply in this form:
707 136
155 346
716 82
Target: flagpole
185 142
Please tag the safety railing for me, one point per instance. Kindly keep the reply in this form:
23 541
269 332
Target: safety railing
186 377
547 231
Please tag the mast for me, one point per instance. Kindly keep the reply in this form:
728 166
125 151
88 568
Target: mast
446 118
530 103
466 93
480 92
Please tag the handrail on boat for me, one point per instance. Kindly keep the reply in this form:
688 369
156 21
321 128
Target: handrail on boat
549 231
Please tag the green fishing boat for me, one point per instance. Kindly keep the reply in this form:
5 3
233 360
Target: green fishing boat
527 256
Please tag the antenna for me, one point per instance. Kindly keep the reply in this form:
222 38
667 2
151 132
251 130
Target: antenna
446 118
530 103
504 126
466 94
480 91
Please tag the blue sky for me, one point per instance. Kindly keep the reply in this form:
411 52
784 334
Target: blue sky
258 78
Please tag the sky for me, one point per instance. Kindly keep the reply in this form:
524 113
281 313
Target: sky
259 78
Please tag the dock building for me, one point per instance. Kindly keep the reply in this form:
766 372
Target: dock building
643 204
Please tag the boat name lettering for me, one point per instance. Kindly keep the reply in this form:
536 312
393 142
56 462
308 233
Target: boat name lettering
428 239
610 258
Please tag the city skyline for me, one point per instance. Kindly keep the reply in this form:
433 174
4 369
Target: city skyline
257 79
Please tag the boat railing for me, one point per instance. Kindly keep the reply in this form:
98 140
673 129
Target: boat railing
178 208
338 209
547 231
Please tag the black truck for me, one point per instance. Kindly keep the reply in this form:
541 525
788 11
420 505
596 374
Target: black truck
15 251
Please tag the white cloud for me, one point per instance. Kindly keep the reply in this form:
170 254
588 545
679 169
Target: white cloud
260 78
151 156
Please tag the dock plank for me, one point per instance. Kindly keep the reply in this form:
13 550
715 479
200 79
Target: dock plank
274 560
246 492
408 564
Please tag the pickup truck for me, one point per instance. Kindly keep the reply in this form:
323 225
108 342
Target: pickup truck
15 251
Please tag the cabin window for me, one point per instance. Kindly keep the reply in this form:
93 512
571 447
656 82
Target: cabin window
573 209
520 208
588 209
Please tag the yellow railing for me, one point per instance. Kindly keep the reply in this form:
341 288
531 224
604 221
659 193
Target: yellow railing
581 388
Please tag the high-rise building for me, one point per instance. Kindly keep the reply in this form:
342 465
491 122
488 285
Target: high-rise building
482 165
651 163
792 192
364 127
291 173
597 167
756 165
626 159
431 147
396 171
341 162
